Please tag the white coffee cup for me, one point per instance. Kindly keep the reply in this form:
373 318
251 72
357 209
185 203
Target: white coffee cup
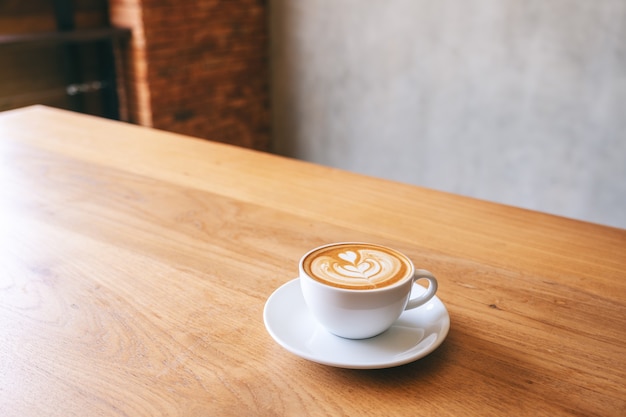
358 290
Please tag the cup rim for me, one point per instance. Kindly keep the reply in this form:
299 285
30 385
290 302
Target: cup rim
396 284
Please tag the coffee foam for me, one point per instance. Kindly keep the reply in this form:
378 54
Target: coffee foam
356 266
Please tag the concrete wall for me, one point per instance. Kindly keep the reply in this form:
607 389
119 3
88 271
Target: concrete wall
517 101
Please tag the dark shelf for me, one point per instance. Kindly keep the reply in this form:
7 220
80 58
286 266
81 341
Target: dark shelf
65 37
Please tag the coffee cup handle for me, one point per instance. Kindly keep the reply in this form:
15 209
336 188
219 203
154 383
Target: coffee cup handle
430 292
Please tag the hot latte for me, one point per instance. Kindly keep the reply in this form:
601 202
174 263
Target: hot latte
357 266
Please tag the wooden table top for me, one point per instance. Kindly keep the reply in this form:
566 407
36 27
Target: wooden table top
136 264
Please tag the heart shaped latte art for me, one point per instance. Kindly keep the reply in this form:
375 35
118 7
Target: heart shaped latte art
358 267
364 269
349 256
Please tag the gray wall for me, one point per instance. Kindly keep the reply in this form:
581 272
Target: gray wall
517 101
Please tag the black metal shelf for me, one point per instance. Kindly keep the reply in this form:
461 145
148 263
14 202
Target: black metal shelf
72 42
66 36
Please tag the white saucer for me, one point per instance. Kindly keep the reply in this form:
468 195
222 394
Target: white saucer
416 333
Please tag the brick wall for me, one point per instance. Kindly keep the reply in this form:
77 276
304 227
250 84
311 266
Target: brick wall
199 67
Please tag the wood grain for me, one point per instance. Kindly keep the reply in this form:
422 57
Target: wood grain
136 264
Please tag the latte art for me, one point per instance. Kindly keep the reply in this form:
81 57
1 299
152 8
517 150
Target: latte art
357 266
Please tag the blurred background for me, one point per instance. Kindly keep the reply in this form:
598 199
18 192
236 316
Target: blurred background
516 101
521 102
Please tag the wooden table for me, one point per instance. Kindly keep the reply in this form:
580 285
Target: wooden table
136 264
